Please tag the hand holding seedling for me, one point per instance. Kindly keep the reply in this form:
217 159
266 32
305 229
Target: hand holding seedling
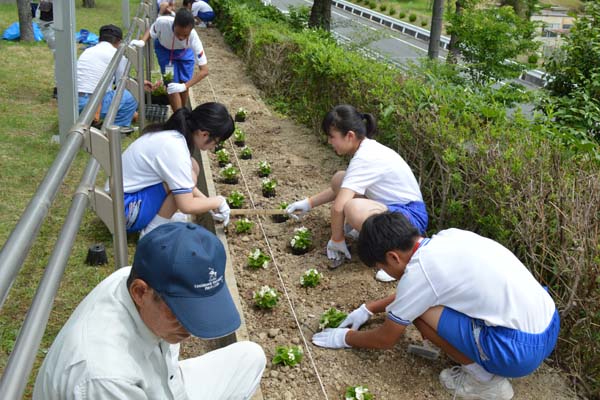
357 318
331 338
337 250
302 207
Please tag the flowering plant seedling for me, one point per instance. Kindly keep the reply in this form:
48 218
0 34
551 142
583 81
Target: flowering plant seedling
219 146
266 297
289 356
258 259
222 157
235 199
264 169
310 278
243 225
278 218
246 153
167 78
229 174
158 89
268 187
331 318
241 114
239 137
358 393
301 240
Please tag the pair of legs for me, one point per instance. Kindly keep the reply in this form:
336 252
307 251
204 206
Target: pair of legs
232 372
169 207
126 111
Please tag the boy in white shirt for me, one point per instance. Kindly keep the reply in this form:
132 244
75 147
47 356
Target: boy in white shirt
201 10
468 295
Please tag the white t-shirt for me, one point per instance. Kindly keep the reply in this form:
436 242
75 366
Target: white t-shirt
475 276
158 157
162 29
92 64
380 174
200 6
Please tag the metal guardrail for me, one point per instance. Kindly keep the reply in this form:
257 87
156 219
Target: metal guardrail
105 147
535 77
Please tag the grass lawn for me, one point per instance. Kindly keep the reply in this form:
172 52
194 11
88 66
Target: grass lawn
28 120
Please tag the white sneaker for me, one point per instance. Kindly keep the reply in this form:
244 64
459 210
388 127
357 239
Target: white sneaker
383 276
465 386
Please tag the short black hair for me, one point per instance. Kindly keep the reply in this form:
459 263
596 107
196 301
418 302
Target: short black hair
110 33
184 18
385 232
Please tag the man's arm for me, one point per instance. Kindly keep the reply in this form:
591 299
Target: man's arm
198 76
383 337
378 306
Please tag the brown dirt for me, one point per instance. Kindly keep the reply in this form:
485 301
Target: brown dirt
303 166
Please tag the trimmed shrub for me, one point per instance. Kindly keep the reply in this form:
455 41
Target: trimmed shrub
423 22
402 15
382 7
412 17
392 11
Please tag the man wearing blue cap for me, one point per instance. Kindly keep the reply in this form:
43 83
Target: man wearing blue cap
122 341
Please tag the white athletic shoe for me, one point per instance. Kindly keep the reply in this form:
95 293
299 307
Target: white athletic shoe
465 386
383 276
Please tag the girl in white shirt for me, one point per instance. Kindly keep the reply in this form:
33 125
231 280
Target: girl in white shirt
377 180
159 175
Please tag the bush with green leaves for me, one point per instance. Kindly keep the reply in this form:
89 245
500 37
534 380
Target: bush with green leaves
236 199
392 11
310 278
243 225
257 259
229 173
423 22
481 168
302 239
246 153
222 157
372 5
382 7
402 15
332 318
412 17
266 297
360 392
264 169
288 356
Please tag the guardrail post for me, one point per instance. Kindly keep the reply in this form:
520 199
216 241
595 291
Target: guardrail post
116 190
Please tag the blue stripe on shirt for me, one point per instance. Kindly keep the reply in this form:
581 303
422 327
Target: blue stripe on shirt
398 320
181 191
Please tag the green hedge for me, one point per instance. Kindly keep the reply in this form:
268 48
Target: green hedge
502 176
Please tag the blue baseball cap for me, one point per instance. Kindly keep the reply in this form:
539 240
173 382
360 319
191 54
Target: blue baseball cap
185 264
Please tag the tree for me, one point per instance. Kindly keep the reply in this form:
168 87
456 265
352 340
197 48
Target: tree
453 47
436 29
25 27
523 8
320 15
575 70
490 39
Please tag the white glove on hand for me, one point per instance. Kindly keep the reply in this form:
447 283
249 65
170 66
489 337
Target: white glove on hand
337 250
222 215
303 206
331 338
176 88
357 318
137 43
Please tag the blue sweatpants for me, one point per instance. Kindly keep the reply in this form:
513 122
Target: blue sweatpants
126 110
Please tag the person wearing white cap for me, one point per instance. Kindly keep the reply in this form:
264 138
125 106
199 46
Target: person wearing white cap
122 341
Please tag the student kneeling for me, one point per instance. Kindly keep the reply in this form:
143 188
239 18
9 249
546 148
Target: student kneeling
122 341
467 294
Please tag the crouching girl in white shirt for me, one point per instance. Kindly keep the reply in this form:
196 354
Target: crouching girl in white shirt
159 174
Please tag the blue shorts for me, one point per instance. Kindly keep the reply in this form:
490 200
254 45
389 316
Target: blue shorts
206 16
183 61
501 351
142 206
416 213
125 112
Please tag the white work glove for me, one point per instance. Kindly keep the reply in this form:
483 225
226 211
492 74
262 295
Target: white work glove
137 43
331 338
303 206
357 318
176 88
222 215
337 250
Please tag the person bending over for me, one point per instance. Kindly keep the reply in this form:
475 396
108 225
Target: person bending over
467 294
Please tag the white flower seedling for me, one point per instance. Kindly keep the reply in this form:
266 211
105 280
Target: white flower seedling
289 356
310 278
258 259
266 297
302 239
331 318
358 393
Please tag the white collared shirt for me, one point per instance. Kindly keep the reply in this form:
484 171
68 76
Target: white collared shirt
92 64
105 351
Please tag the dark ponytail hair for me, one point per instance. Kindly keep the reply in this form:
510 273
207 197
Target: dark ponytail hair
210 117
184 18
345 118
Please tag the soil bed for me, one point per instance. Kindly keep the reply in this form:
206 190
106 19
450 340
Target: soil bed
303 166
